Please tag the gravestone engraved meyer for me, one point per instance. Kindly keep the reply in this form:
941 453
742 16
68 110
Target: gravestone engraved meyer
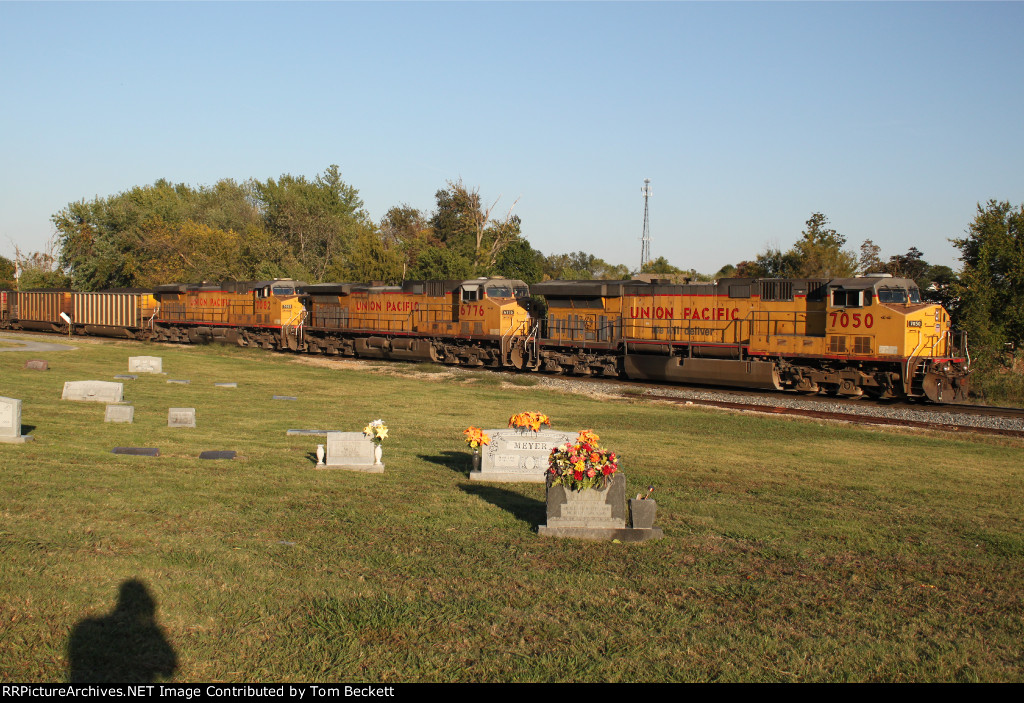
145 364
518 456
181 417
352 451
37 365
10 422
120 413
99 391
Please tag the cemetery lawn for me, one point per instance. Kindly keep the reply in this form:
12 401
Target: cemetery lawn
793 550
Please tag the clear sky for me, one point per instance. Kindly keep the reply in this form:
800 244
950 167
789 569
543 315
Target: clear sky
893 119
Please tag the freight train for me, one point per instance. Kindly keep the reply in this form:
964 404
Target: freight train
849 336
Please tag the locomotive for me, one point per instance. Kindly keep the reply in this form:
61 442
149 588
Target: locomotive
851 336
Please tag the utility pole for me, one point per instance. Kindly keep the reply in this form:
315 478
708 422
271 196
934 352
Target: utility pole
645 247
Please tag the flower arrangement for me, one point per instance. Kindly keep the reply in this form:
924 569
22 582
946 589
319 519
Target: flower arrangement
529 420
582 465
376 431
476 438
645 496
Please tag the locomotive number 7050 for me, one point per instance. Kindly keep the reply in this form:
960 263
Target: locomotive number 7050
855 320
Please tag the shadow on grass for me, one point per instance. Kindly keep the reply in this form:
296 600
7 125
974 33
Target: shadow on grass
530 510
459 462
126 646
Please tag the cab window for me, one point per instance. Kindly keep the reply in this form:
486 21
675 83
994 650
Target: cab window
847 298
283 290
892 295
470 295
522 292
499 292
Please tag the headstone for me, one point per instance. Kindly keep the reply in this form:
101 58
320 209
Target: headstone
217 454
592 514
99 391
352 451
120 413
126 376
136 451
225 385
285 397
307 432
37 365
182 381
145 364
10 422
181 417
519 456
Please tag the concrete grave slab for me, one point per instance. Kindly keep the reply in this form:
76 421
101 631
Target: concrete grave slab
145 364
225 385
352 451
126 376
284 397
181 417
120 413
181 381
98 391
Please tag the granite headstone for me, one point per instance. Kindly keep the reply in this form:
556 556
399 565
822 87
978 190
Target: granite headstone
181 417
10 422
120 413
518 456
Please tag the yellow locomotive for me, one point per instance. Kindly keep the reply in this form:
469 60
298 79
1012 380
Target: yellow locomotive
476 322
253 313
847 336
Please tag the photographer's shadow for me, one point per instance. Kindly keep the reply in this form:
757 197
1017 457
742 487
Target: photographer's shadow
126 646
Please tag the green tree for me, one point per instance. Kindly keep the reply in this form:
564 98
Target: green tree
870 258
521 261
442 263
819 252
991 285
660 265
7 270
40 269
909 265
320 220
461 225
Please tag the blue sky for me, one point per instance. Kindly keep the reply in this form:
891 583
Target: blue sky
893 119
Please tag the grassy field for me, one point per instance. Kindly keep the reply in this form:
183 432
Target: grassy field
794 550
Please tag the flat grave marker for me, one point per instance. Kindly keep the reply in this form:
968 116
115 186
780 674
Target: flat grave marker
136 451
284 397
145 364
181 417
37 365
126 376
225 385
182 381
217 454
120 413
97 391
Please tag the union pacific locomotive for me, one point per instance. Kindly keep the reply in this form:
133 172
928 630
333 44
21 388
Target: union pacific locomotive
848 336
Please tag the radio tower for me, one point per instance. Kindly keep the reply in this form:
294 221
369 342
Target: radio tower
645 238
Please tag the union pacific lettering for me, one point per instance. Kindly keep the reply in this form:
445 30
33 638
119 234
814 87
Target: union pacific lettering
663 313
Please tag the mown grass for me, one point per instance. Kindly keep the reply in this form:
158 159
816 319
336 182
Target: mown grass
794 551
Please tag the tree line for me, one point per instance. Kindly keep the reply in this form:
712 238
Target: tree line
318 230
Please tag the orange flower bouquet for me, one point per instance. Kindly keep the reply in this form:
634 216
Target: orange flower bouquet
529 420
475 438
